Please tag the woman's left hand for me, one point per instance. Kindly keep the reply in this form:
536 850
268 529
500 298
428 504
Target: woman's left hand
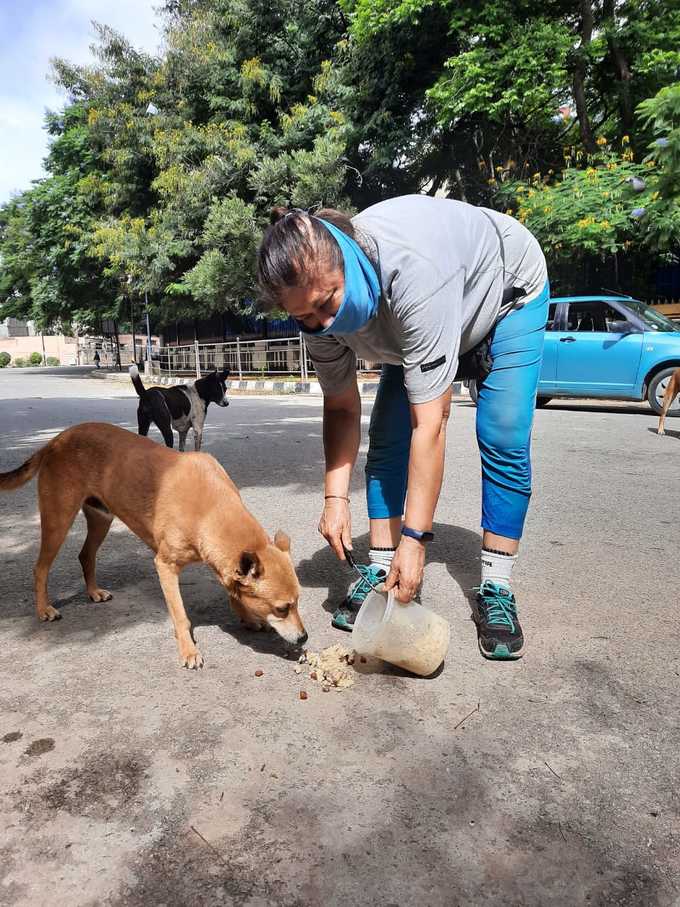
406 573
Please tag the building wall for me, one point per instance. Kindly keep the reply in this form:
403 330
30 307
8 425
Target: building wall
65 349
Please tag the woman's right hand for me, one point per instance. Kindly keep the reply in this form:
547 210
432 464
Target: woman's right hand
335 525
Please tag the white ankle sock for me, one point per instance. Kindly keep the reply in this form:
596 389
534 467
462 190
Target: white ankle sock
381 556
497 567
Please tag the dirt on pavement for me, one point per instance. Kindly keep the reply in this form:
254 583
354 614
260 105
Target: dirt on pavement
125 780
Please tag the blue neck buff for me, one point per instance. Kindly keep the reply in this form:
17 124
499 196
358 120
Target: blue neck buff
362 288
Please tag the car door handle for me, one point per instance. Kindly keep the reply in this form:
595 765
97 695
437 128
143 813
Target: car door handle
567 339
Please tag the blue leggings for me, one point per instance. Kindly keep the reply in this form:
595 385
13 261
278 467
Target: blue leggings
505 411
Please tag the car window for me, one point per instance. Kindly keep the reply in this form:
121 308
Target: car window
552 311
595 316
655 320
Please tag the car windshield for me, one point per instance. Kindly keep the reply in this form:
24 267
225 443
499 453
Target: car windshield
655 320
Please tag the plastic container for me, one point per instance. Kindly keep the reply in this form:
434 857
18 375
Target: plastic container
408 636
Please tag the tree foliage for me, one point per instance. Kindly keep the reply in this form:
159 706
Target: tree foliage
161 170
608 203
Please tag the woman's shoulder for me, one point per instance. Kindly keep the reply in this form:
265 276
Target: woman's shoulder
414 205
422 239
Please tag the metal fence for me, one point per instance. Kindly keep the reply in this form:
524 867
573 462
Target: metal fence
107 351
280 357
274 357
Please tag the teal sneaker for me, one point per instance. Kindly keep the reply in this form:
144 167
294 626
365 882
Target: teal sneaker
499 633
370 575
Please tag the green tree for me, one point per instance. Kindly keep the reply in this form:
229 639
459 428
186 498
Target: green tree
161 169
516 83
48 273
661 117
603 204
199 144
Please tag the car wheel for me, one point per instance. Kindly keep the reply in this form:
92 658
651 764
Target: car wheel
656 389
542 401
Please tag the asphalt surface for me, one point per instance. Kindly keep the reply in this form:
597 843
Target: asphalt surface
125 780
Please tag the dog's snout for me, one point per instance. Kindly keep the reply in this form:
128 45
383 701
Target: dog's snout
303 639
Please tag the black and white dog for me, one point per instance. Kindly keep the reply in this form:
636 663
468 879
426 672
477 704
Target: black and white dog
181 407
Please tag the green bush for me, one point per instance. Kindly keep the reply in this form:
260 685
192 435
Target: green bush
35 359
19 362
5 359
52 360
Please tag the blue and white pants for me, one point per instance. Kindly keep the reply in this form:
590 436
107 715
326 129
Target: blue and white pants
505 411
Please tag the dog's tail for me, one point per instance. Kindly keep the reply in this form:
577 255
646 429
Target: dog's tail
24 473
137 381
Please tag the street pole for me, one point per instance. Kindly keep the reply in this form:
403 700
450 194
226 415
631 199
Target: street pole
197 353
134 339
148 333
117 348
42 337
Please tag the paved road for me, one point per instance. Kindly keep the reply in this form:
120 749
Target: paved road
125 780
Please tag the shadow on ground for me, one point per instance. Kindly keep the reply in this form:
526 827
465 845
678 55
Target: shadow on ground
455 547
669 433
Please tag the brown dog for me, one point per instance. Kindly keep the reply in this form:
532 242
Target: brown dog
184 506
671 392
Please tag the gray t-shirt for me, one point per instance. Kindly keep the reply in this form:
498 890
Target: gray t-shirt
444 267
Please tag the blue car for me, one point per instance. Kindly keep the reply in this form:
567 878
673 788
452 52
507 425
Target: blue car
613 347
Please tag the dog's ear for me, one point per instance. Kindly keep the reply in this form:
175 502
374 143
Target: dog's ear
282 541
225 372
249 566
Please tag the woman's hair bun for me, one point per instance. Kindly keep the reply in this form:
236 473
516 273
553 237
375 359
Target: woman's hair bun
277 213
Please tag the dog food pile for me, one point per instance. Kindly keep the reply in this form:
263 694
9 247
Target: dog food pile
331 668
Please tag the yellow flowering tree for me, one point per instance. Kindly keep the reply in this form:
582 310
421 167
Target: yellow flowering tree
607 202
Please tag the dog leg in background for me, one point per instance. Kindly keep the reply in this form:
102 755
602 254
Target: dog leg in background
168 574
183 439
669 395
161 416
197 425
98 524
164 422
57 514
143 421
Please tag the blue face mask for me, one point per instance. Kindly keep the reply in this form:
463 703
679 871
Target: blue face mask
362 288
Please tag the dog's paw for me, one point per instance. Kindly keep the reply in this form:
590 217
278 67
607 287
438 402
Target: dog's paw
192 660
100 595
49 613
661 432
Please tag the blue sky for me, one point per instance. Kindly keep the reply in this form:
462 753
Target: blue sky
31 33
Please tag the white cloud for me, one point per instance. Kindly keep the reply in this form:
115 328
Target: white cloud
31 33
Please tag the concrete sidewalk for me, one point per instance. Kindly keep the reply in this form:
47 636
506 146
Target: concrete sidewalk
126 781
271 385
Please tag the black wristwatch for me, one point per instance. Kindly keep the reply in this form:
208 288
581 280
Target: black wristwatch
415 534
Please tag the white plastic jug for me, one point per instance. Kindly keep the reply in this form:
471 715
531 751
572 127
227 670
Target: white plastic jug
409 636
